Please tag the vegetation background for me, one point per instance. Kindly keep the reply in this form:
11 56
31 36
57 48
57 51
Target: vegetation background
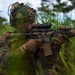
50 13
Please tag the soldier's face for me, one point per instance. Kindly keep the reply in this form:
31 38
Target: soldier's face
25 26
27 23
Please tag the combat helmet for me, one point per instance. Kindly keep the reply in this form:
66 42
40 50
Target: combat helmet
21 16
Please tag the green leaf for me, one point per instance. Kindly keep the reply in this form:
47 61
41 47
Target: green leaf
2 30
9 28
6 28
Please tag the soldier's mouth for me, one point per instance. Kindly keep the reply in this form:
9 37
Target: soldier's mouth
30 26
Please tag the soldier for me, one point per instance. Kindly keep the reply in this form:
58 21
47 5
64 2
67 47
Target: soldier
19 56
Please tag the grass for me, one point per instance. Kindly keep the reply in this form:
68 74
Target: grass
66 64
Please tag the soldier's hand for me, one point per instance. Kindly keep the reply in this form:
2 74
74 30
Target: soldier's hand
32 45
60 38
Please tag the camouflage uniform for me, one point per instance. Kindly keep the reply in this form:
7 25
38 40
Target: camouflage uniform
19 59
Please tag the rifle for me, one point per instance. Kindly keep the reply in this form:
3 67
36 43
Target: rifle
42 32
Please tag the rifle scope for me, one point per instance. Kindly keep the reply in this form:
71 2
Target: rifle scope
42 26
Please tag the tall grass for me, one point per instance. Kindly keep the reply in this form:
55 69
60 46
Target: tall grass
66 64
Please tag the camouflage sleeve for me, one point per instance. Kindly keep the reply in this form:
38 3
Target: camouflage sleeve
5 53
3 50
59 39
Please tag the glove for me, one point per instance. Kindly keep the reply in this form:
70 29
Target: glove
32 45
59 39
